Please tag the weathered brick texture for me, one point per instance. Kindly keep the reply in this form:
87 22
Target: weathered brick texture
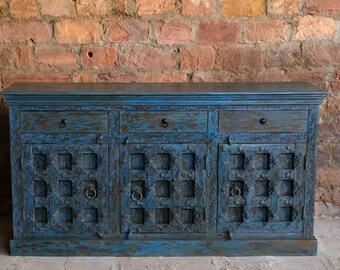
177 40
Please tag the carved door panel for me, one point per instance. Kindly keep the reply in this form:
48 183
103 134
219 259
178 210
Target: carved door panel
65 189
261 188
163 188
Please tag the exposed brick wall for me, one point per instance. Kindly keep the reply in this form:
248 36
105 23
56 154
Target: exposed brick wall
178 40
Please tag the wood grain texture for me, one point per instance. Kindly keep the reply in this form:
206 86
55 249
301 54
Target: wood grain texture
152 122
74 247
64 122
250 121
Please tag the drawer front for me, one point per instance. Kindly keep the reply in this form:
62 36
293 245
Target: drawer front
263 121
163 122
64 122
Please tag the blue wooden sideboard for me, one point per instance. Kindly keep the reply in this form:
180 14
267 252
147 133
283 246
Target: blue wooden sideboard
163 169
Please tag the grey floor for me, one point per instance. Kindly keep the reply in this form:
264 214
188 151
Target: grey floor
327 231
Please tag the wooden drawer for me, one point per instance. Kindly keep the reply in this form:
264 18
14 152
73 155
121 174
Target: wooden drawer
263 121
163 122
64 122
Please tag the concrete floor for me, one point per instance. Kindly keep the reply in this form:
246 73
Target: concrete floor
327 231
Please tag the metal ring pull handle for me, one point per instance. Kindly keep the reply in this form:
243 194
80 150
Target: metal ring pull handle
62 123
235 192
263 120
164 122
137 196
90 193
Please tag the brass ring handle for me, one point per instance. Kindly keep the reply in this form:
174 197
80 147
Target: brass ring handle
136 196
90 193
62 123
263 120
164 122
235 192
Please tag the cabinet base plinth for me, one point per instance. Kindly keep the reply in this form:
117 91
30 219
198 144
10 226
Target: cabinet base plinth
76 247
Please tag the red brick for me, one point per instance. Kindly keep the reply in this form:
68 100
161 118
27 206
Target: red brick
69 31
83 77
274 31
126 30
236 57
315 27
146 57
172 76
283 56
197 7
172 32
262 76
55 8
329 121
147 7
218 32
23 8
329 128
92 7
55 57
3 7
114 32
9 78
283 6
213 76
316 77
335 81
197 57
5 57
324 6
329 152
319 55
36 31
22 57
332 107
243 7
120 6
99 57
117 77
137 30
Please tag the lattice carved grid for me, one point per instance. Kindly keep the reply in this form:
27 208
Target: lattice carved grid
261 187
66 188
171 182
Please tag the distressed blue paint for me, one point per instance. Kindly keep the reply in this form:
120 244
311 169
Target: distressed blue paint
195 174
63 122
65 247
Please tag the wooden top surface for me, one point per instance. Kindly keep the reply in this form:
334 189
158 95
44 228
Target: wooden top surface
161 89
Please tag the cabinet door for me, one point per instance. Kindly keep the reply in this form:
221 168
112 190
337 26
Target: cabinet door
261 188
65 189
163 188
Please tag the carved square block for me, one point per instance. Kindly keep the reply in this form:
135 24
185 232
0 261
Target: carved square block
163 189
163 215
40 188
137 161
188 216
137 215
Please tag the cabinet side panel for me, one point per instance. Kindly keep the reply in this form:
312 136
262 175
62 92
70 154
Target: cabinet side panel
17 186
311 171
